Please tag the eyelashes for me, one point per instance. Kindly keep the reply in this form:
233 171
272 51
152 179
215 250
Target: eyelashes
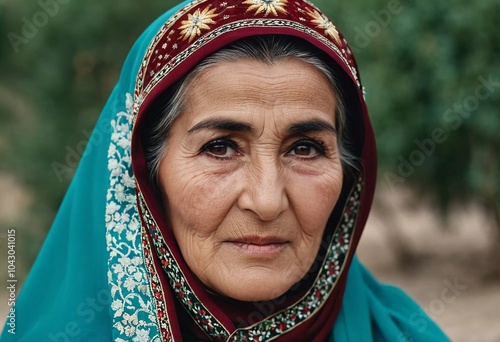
307 149
221 149
227 149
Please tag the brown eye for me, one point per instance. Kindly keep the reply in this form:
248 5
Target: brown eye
306 149
220 149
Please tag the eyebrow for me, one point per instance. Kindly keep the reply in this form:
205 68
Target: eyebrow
223 124
311 126
237 126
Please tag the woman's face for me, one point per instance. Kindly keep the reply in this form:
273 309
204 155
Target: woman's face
251 174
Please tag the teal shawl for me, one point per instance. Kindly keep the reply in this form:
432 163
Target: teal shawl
91 282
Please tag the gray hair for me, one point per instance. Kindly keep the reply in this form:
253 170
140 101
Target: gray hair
268 49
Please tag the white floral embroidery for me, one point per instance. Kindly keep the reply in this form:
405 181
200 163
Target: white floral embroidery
134 316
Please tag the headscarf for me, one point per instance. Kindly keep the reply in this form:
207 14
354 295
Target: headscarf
110 268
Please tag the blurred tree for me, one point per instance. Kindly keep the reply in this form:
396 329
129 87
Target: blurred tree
432 76
59 60
433 80
422 64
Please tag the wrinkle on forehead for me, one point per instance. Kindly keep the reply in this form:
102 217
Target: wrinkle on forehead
296 83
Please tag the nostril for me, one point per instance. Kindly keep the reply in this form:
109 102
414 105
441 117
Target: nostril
266 203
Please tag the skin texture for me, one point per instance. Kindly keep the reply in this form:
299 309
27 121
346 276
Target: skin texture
251 174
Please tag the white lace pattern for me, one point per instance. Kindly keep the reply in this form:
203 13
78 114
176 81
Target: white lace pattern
133 310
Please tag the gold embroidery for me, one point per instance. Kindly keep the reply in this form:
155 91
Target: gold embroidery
196 22
269 6
324 23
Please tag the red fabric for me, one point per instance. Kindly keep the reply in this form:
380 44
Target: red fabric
233 20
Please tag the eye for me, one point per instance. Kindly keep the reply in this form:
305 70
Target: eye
306 149
220 149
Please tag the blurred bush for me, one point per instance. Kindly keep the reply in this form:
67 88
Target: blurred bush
432 75
421 63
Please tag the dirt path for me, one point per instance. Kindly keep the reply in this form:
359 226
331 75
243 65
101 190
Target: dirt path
445 258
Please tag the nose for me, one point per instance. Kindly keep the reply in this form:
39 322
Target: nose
264 191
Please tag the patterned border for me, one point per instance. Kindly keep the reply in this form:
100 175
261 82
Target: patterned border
134 317
157 289
168 48
183 291
281 322
332 267
175 61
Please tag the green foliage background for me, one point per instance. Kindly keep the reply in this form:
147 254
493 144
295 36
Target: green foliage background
418 64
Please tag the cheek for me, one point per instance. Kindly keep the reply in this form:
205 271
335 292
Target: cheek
315 199
196 201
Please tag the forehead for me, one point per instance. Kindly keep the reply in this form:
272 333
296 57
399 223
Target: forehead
250 86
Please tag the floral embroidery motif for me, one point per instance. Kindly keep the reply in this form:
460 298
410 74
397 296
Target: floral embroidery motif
157 290
134 317
154 69
324 23
196 22
269 6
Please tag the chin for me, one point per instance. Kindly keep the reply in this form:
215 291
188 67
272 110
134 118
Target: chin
264 287
257 294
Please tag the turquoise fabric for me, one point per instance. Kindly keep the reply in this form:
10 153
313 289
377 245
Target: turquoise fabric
68 294
372 311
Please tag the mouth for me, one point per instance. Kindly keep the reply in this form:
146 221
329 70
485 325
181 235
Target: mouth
257 245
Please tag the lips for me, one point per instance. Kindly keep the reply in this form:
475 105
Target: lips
260 245
260 240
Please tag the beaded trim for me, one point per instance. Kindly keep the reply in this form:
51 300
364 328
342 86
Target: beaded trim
157 289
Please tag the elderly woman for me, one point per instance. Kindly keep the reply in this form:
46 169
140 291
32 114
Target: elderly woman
223 193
